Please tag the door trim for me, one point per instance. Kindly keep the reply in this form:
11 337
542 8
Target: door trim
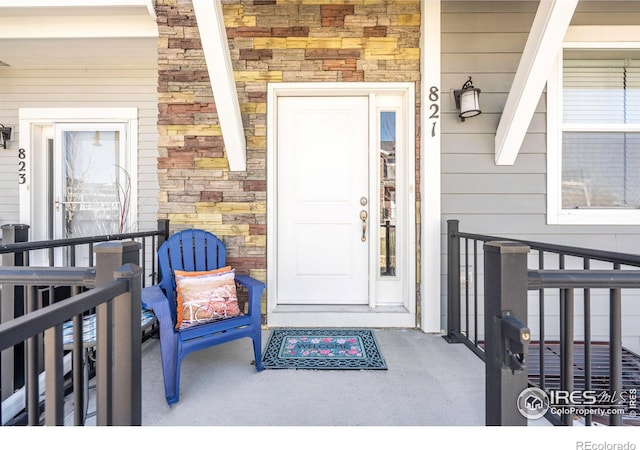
30 119
356 316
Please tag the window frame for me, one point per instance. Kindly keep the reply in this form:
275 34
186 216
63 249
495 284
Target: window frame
581 38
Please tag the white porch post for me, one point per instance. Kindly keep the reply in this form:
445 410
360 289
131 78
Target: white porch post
430 313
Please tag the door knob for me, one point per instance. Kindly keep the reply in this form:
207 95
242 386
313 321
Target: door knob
363 218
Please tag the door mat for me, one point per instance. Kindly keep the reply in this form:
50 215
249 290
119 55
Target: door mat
331 349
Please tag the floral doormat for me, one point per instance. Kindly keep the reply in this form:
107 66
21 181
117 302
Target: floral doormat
333 349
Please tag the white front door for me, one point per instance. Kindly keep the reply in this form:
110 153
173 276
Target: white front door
323 192
341 205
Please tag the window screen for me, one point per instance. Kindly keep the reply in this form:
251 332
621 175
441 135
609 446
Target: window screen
601 126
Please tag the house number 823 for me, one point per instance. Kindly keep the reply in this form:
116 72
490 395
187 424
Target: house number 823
22 166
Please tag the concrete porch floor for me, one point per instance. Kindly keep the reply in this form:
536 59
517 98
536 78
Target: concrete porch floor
428 383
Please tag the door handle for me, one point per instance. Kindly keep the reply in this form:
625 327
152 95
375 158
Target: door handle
363 217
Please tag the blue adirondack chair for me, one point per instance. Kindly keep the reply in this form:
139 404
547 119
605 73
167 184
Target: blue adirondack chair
197 250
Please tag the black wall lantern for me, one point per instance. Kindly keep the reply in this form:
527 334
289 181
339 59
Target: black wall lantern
467 100
5 135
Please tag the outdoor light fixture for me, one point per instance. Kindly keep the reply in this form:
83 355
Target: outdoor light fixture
5 135
467 100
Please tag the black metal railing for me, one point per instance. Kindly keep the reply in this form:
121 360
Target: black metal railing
115 295
558 359
16 251
388 248
620 385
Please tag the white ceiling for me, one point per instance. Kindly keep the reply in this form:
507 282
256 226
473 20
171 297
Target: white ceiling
110 33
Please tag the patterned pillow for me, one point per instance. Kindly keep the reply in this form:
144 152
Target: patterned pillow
205 297
185 273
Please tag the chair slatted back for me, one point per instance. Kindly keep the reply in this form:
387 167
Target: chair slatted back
190 250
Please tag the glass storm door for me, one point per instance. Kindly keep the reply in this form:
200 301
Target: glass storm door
91 185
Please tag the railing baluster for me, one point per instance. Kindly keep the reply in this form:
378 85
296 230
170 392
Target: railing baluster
466 286
54 379
588 420
475 291
615 349
32 382
143 260
154 254
40 305
566 347
541 320
387 245
78 366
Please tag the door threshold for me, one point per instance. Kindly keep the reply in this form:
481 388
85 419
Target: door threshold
340 316
362 309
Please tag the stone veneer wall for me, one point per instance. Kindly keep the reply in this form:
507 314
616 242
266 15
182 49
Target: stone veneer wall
269 40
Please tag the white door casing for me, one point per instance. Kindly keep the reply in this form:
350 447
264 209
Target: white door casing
323 169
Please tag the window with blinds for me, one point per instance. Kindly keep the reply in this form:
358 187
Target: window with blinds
601 129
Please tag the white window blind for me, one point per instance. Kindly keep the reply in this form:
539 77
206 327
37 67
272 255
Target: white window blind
601 133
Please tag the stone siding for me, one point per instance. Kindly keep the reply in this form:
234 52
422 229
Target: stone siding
269 40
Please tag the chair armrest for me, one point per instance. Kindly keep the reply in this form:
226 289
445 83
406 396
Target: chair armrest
254 291
249 283
153 298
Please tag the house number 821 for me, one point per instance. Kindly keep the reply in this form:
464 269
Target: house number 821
435 109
